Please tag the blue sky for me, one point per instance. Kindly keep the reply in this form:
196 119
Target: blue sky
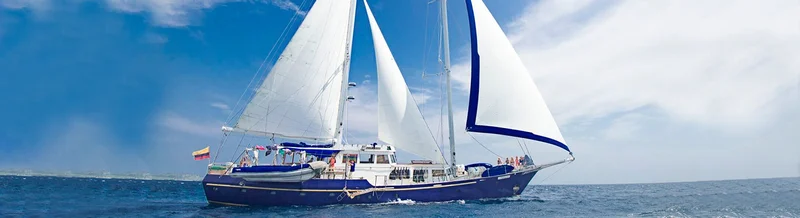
644 90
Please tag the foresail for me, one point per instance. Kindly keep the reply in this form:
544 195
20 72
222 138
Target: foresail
503 98
400 122
301 95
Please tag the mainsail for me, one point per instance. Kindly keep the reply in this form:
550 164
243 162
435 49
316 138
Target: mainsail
400 123
503 98
301 96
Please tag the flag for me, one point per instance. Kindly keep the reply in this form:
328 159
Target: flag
259 147
202 154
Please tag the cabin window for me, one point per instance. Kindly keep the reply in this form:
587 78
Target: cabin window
400 173
382 159
346 158
370 160
419 175
392 158
437 173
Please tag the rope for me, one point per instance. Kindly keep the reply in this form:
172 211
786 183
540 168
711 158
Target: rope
548 177
551 175
476 140
520 147
526 147
425 41
221 143
237 148
269 56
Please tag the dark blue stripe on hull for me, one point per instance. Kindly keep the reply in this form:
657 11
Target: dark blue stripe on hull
230 191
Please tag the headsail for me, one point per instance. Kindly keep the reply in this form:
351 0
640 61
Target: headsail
503 98
400 122
301 96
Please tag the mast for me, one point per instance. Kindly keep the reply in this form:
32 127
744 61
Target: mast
345 72
446 44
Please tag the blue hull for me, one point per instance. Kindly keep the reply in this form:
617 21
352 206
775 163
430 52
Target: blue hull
226 190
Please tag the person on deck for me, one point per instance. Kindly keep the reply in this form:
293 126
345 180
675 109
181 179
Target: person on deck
499 161
255 156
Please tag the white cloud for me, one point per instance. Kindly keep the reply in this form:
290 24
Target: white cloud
155 38
288 5
168 13
40 8
176 13
182 124
420 95
20 4
361 124
171 13
221 106
690 88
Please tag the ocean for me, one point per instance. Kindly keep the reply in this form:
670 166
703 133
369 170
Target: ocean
48 196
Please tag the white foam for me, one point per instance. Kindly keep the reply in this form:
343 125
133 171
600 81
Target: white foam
401 201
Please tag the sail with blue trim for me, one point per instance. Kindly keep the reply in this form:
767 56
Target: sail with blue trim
503 97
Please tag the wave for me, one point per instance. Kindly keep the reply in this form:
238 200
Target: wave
401 201
103 175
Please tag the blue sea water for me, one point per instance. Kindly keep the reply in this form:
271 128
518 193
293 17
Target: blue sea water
34 196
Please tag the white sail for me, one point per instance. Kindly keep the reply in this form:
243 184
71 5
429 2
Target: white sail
400 122
504 99
301 96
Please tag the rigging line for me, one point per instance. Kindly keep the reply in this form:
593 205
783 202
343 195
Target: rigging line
427 126
221 144
440 47
440 68
521 148
345 130
526 147
425 40
481 144
316 97
282 38
237 148
441 107
551 175
270 54
318 71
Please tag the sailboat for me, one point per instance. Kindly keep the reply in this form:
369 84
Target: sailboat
302 100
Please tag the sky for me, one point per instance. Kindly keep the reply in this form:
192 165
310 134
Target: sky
656 91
